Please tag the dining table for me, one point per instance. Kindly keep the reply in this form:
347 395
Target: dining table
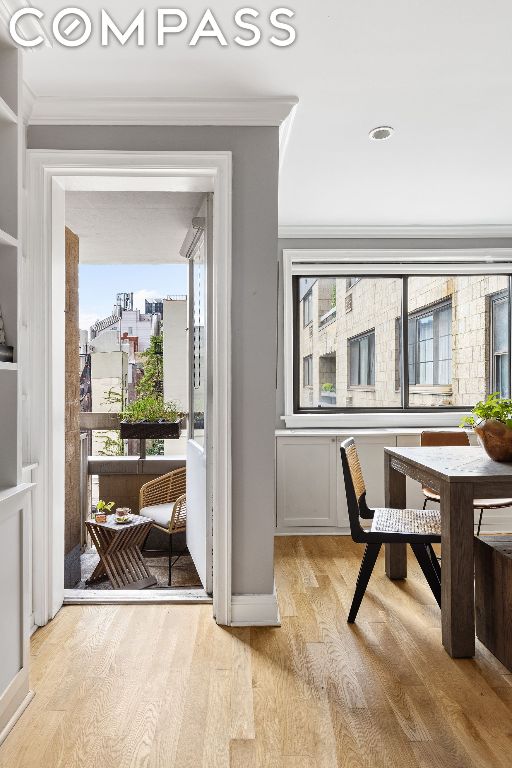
459 475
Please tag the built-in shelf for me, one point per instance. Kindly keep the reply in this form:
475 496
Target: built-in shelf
6 239
15 490
8 366
6 113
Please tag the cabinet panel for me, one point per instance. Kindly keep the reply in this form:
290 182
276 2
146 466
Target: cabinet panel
306 482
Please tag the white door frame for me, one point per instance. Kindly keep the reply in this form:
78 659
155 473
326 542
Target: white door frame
50 172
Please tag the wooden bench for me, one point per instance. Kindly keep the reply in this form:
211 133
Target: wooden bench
493 595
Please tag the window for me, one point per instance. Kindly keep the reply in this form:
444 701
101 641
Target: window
307 371
457 332
307 308
352 281
430 346
500 366
361 356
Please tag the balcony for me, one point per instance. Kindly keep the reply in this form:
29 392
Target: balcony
119 478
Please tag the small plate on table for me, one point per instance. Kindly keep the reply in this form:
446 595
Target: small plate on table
123 519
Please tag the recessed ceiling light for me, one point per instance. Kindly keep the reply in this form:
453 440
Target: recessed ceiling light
381 133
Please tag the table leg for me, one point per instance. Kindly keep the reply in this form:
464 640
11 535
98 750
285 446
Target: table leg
457 569
395 554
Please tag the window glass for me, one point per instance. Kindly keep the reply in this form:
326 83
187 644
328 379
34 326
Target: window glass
458 341
351 344
500 344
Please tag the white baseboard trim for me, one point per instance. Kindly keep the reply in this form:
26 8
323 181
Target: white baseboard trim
255 610
16 715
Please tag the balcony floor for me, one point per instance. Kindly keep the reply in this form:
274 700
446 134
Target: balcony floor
184 574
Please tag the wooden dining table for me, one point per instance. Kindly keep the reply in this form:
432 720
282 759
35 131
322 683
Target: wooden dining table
458 475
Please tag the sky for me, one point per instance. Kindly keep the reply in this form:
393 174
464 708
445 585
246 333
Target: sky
99 284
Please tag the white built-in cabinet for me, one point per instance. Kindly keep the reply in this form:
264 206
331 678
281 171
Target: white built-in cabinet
310 491
15 523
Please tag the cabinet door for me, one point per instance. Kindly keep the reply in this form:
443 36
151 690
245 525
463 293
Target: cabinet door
371 456
306 481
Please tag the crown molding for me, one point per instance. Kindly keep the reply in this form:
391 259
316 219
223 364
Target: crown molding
161 111
299 232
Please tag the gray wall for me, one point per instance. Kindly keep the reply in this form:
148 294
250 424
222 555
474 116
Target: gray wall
255 187
325 244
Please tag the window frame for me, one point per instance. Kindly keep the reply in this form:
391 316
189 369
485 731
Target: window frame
419 314
307 363
402 263
498 298
369 385
307 301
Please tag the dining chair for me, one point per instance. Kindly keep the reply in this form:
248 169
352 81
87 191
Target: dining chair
418 527
432 438
164 501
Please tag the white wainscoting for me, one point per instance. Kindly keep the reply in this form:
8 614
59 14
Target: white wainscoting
15 605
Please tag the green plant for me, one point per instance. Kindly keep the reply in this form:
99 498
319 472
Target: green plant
154 447
333 296
152 381
328 387
104 506
493 407
150 408
112 446
113 397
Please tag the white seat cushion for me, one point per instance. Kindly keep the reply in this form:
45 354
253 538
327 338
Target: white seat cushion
159 513
415 521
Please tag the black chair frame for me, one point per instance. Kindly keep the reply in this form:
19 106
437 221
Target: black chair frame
421 544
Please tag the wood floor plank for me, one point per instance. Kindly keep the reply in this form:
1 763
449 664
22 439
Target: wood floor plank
159 686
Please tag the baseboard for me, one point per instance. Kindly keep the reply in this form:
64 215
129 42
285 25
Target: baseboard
255 610
14 702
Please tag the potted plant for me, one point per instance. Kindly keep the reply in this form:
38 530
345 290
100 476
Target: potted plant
149 417
102 510
492 421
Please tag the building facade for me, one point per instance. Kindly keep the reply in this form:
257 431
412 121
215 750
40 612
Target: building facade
349 350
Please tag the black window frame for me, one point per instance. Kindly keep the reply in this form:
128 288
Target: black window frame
353 340
402 379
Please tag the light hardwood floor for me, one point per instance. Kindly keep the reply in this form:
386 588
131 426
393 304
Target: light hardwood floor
162 686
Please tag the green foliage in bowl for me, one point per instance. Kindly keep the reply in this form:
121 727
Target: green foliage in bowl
494 408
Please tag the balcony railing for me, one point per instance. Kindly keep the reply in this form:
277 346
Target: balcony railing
327 318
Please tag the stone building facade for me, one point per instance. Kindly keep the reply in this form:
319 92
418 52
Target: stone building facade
350 340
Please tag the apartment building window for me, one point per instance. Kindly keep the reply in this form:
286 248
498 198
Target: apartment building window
500 360
456 336
361 359
307 371
307 308
351 281
430 346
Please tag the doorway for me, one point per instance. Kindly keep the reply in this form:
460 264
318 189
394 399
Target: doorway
51 177
128 261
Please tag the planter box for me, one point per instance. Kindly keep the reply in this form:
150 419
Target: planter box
151 430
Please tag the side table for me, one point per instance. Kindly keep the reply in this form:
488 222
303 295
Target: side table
119 548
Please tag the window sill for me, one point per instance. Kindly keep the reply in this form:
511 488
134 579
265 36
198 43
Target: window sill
369 420
361 388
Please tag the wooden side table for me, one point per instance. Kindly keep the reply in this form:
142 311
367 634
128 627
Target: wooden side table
119 548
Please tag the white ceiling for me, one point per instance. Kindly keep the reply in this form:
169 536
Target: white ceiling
131 227
439 72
